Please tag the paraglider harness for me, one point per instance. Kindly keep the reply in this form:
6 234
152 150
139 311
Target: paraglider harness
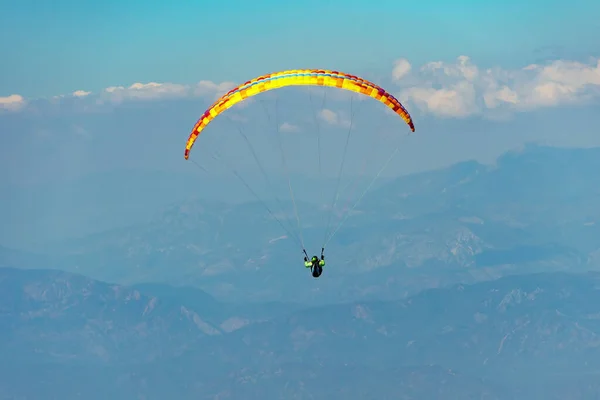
315 264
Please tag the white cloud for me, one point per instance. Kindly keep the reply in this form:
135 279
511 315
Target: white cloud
333 118
456 101
328 116
461 89
494 98
446 89
13 102
81 93
88 102
287 127
157 91
401 68
210 88
562 82
145 91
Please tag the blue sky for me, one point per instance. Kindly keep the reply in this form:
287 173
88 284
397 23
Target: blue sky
60 46
479 78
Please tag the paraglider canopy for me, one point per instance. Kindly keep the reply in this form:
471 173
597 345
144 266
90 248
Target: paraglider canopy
297 77
301 77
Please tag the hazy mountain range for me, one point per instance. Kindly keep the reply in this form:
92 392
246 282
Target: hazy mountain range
210 299
534 210
520 337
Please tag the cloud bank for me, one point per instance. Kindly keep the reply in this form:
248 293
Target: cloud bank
456 89
462 89
14 102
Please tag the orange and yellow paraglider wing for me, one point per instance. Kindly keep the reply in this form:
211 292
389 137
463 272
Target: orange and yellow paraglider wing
301 77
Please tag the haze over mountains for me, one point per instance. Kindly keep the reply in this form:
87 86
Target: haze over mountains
519 337
216 302
534 210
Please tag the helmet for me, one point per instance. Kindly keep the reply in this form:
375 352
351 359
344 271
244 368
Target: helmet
314 258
